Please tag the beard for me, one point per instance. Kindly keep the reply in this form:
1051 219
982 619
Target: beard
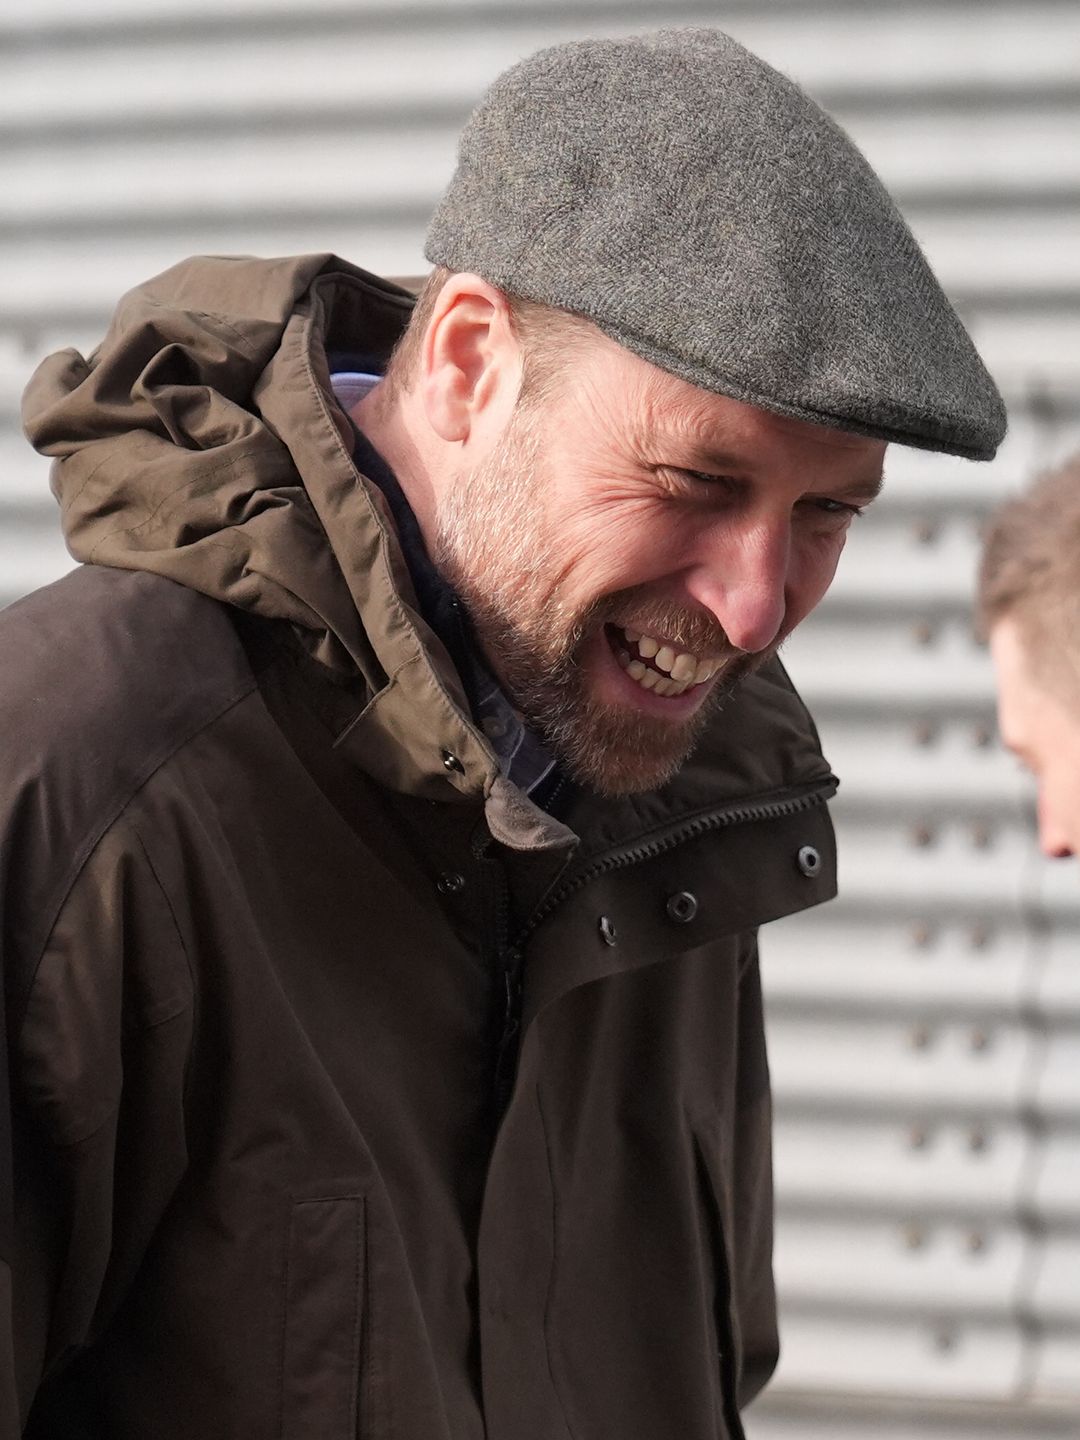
497 547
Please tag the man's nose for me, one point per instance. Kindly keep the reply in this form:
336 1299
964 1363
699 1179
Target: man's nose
742 579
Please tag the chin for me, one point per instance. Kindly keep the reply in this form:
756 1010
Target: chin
619 754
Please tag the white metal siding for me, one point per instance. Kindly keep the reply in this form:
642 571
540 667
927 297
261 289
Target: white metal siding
925 1030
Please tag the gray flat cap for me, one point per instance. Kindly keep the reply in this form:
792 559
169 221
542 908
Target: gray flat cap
706 214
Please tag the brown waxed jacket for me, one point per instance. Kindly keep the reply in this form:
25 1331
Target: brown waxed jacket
350 1095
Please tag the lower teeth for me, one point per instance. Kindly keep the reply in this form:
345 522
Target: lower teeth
652 680
660 684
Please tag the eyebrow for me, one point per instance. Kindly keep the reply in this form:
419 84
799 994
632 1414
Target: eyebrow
867 490
721 463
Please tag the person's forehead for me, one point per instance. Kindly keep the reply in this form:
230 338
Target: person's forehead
672 407
723 427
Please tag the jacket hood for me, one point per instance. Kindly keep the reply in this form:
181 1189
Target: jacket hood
185 446
201 441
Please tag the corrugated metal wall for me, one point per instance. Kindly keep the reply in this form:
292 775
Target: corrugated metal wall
926 1028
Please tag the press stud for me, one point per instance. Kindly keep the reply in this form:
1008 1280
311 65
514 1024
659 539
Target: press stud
809 860
682 907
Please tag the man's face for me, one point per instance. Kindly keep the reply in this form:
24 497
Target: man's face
634 545
1044 732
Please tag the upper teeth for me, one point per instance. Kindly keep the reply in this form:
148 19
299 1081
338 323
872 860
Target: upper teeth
685 669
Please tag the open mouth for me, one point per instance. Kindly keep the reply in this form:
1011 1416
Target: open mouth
658 666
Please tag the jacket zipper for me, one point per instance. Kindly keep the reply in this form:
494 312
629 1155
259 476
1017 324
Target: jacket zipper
511 957
791 804
507 976
506 1048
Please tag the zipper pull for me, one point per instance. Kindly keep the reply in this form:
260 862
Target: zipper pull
511 993
506 1050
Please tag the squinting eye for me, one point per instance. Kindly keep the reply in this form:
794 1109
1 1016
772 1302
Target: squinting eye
836 507
717 483
696 484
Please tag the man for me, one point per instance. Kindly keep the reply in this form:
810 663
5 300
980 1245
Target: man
1028 594
396 791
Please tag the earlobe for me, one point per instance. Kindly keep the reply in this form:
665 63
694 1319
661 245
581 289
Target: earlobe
468 356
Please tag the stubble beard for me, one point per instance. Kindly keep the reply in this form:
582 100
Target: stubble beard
494 547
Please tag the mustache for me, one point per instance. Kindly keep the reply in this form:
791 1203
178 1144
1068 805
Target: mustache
695 631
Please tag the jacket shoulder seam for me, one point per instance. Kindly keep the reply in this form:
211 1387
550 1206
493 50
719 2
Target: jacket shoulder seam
97 833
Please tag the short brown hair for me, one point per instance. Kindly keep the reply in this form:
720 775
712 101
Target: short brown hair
1030 572
546 335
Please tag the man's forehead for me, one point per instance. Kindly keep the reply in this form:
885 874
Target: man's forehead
668 417
824 434
721 426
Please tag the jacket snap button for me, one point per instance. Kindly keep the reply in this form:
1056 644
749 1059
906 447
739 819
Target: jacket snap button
450 883
452 763
809 860
607 930
682 907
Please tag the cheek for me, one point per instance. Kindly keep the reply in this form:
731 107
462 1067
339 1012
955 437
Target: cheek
609 545
814 559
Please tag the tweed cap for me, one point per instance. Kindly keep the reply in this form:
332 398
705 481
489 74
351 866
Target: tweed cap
705 213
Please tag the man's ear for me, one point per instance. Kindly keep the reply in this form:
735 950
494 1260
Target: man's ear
470 361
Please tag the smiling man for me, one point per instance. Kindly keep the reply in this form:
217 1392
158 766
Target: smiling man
584 541
392 797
